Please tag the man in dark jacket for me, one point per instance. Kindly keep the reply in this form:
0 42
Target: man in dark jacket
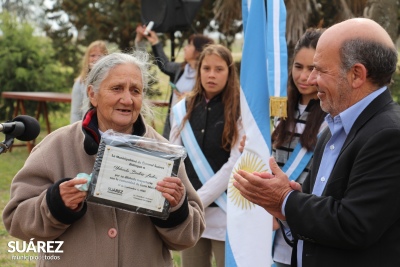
349 211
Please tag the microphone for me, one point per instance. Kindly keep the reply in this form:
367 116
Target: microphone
22 127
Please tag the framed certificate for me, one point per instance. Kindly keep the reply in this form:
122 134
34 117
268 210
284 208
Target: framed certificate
126 172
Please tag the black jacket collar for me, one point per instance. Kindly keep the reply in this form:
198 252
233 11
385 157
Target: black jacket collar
90 128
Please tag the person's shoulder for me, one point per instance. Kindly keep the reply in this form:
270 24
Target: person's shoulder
392 114
67 131
78 79
385 107
78 82
153 134
379 118
60 137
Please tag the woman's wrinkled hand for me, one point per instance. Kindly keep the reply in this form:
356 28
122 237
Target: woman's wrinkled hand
172 189
70 195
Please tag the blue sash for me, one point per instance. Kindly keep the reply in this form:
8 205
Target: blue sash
199 161
298 160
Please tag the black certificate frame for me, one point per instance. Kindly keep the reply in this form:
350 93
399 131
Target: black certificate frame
141 145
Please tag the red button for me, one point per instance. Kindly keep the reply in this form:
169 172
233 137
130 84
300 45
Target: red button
112 232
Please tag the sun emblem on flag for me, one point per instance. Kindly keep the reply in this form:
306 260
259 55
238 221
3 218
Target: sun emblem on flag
251 163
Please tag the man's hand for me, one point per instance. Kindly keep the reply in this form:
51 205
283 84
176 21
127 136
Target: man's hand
295 186
265 189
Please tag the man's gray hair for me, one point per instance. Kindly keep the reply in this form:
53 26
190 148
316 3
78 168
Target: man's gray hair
379 59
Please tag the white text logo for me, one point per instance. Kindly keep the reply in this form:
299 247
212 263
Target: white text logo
40 246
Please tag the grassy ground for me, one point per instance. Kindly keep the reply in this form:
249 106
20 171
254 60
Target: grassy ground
10 163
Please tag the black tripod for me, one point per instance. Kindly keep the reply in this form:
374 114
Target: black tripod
6 144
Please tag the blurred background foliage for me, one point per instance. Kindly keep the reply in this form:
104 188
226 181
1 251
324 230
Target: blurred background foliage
42 41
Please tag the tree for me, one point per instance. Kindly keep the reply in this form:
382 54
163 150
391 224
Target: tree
66 49
302 14
27 62
113 21
227 16
324 13
24 10
116 21
385 12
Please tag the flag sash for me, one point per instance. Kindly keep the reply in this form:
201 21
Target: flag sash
199 161
299 159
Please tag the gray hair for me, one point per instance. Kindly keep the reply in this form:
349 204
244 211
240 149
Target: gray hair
103 66
379 59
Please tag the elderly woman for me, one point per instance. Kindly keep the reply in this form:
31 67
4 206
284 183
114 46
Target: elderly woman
45 204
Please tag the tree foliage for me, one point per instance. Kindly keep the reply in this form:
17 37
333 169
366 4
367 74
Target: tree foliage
302 14
113 21
73 24
24 10
384 12
26 61
66 49
116 21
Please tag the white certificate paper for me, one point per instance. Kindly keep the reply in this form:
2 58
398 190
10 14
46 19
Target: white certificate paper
130 177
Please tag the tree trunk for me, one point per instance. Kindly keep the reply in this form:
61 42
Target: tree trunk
384 12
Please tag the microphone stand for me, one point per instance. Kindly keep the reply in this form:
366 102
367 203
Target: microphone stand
6 144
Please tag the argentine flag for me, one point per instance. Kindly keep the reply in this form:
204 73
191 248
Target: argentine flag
263 75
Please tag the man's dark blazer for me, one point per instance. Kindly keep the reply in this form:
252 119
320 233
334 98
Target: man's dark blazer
356 221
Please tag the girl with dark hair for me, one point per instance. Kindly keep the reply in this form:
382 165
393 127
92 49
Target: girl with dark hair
300 129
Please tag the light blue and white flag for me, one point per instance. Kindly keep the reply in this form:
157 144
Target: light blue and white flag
263 75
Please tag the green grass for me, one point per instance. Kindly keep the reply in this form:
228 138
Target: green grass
10 163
